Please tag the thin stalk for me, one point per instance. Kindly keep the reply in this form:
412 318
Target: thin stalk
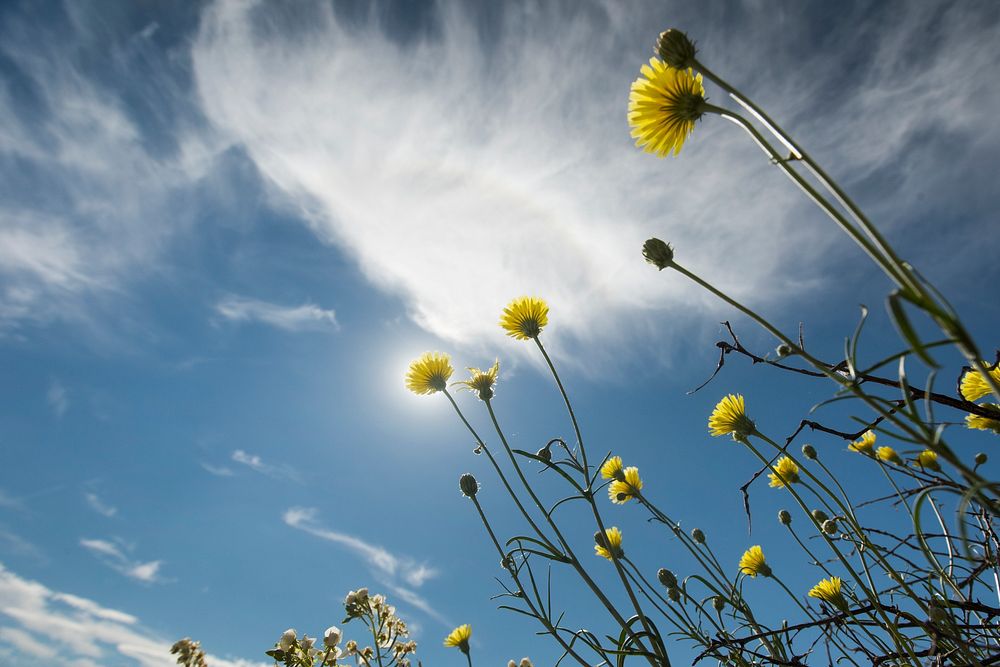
590 496
513 573
897 269
500 473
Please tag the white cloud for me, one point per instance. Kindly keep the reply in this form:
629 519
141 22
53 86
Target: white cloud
460 172
113 556
391 568
81 632
57 398
290 318
255 462
99 506
102 201
11 542
218 471
26 644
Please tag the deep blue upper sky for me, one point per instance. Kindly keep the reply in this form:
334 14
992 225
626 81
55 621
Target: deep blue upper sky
226 228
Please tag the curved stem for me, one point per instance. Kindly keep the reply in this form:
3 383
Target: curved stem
500 473
513 573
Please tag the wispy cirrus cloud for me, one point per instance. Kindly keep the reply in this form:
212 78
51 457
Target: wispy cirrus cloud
58 398
83 169
399 573
256 463
113 554
461 171
218 471
101 507
307 317
41 623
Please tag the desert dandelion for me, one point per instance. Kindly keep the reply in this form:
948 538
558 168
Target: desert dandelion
865 445
973 384
730 417
429 373
786 472
624 490
752 563
482 382
459 638
525 317
663 106
609 543
828 590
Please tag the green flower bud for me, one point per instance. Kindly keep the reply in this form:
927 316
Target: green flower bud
785 518
981 458
666 577
698 536
820 516
718 603
674 594
784 350
830 527
809 452
658 253
468 484
544 453
676 49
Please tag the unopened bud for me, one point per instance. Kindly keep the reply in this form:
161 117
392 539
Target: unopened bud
545 453
785 517
658 253
666 577
674 594
718 603
698 536
830 527
468 484
676 49
981 458
809 452
784 350
819 516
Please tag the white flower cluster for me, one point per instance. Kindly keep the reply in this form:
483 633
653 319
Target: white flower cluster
389 630
295 652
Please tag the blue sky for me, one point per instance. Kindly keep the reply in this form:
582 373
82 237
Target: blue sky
227 227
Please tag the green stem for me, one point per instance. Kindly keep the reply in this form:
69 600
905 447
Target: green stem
593 505
898 270
968 473
543 619
500 473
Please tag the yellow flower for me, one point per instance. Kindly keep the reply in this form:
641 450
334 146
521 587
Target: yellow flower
752 563
928 460
729 416
985 423
889 455
612 468
663 106
622 491
609 543
785 473
828 590
525 317
865 445
459 638
429 373
482 382
973 385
